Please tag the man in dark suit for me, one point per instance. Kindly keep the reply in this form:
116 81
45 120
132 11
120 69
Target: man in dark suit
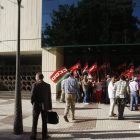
41 101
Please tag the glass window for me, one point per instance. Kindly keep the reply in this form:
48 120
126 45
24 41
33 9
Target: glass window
49 5
90 22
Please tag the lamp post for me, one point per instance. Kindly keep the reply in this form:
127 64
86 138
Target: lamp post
18 125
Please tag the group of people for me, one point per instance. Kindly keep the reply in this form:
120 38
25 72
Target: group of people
90 88
121 90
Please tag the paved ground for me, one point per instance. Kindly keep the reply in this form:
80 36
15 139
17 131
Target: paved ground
92 122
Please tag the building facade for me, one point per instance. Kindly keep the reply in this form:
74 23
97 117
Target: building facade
56 54
31 26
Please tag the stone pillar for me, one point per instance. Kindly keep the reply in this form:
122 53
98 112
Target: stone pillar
51 60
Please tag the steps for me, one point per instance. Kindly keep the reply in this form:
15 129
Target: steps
11 95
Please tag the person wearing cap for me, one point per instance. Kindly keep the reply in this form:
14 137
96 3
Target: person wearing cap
85 89
134 88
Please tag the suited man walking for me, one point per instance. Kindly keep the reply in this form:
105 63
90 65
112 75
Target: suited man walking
41 101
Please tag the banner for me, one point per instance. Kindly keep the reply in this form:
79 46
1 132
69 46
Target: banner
103 67
77 66
85 69
126 73
130 64
131 71
59 75
122 66
75 72
138 76
93 68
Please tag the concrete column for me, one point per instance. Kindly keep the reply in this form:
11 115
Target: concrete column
51 60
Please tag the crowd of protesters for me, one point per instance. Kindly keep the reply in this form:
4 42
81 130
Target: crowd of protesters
107 89
91 88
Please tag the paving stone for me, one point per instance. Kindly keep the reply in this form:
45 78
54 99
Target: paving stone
91 122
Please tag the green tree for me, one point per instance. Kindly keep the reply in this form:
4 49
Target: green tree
90 23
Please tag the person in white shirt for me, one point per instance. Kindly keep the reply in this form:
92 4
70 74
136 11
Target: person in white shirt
111 94
134 88
107 83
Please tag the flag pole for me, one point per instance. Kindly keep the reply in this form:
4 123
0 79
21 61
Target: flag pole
98 74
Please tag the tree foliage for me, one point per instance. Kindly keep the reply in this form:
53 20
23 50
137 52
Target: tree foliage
92 23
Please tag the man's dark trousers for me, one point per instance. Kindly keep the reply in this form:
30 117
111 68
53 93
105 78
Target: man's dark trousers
121 106
36 113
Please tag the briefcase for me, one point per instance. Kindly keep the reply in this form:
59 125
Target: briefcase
52 118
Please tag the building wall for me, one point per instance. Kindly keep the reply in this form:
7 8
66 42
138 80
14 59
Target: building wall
51 60
31 28
31 16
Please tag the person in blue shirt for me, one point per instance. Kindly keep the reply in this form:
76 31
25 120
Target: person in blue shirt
70 85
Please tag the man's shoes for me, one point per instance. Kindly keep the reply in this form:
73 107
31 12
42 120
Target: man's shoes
46 137
112 116
32 137
121 118
136 109
66 119
86 103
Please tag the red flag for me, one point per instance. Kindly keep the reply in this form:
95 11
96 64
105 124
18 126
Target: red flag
138 76
131 71
136 71
130 64
126 73
75 72
122 65
59 75
93 68
103 67
85 68
77 66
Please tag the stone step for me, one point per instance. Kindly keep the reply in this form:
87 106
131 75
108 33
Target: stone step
11 95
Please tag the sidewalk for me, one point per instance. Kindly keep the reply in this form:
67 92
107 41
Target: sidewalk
92 122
